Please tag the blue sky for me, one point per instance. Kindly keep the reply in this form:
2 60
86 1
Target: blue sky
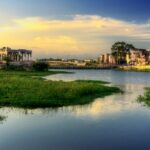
130 18
137 10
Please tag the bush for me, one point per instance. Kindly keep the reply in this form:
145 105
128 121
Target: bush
40 66
145 98
12 67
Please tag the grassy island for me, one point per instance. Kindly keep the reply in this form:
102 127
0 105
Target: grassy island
28 90
146 98
2 118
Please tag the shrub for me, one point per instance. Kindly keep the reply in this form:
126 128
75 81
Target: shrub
40 66
12 67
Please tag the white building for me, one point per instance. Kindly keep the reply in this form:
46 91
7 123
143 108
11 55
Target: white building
15 55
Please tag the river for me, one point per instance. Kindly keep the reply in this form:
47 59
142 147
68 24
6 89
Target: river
116 122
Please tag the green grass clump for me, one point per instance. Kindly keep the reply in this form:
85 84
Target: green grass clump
27 90
145 98
92 81
4 73
2 118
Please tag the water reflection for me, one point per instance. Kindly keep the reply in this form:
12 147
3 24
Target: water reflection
111 104
99 108
114 122
116 77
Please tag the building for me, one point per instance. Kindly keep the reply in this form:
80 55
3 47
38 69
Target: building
138 57
19 55
101 59
106 59
66 63
132 57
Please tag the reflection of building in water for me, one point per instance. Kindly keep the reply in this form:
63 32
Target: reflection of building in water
15 55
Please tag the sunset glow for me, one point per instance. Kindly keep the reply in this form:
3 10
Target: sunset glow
79 35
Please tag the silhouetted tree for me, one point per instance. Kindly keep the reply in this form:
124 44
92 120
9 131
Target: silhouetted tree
119 51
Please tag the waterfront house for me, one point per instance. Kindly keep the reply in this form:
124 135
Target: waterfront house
132 57
138 57
19 55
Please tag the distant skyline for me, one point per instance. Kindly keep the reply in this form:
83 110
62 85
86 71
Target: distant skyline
73 28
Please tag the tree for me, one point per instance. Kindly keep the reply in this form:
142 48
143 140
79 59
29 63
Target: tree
119 51
8 60
40 66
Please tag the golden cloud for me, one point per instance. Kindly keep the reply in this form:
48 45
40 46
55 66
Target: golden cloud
81 34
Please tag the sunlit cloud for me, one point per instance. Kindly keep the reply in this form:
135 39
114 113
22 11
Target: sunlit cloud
82 34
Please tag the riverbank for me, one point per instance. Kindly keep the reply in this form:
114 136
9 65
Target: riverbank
29 90
104 66
138 68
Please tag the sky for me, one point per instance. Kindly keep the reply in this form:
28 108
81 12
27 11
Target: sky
73 28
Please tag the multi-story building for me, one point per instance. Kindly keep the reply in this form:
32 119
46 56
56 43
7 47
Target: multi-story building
106 59
138 57
101 59
18 55
133 57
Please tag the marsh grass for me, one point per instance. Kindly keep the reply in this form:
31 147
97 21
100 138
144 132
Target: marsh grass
2 118
145 98
27 90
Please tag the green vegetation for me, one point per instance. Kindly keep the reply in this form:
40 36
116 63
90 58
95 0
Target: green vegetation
146 98
27 90
134 68
92 81
8 60
36 66
27 74
40 66
2 118
119 51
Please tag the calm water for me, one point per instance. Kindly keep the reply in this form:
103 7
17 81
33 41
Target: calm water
115 122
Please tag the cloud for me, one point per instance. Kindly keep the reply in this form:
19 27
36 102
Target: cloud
82 34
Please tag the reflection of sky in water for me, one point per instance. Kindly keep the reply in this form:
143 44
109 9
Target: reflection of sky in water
117 77
132 83
116 121
99 108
